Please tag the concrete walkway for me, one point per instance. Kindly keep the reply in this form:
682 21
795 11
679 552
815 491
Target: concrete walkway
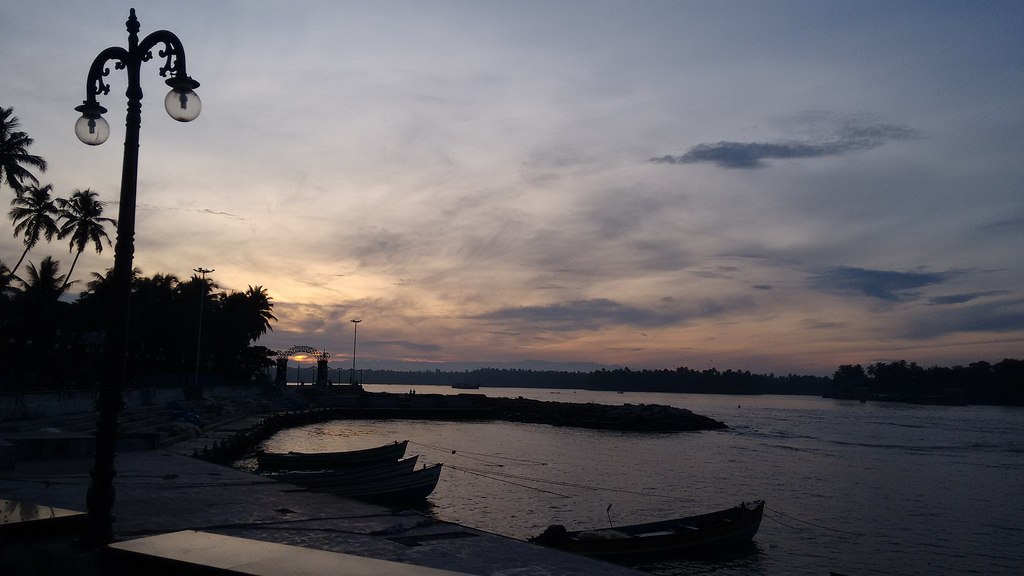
166 490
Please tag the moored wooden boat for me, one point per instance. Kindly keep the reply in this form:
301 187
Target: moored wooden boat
348 474
415 485
691 535
331 460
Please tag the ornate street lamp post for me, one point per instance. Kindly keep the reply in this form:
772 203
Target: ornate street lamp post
183 105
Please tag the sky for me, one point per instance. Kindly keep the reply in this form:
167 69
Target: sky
782 186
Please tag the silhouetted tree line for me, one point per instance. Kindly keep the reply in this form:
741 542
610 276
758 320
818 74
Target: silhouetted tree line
48 344
976 383
680 380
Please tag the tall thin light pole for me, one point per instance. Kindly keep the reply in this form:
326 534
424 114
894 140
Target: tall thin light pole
183 105
355 332
197 391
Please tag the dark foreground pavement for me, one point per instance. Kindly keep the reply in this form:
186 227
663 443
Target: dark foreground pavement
165 490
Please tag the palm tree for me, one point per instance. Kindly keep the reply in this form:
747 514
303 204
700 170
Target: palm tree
7 288
42 316
160 331
14 156
8 292
84 223
94 303
34 215
259 308
44 284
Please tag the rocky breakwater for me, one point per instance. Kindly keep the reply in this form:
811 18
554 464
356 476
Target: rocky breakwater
625 417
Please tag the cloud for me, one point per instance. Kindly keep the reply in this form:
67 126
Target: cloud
1001 227
206 211
406 345
851 136
220 213
996 316
582 315
963 298
883 284
599 313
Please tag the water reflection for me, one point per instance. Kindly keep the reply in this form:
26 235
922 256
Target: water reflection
874 488
744 559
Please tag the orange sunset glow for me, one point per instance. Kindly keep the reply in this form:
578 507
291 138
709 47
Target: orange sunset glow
777 189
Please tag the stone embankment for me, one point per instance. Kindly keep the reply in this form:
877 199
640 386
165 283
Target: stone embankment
627 417
218 440
324 407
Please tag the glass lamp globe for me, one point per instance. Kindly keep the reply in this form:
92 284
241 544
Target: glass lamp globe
182 103
92 128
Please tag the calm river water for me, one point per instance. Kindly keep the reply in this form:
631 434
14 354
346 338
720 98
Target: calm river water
853 488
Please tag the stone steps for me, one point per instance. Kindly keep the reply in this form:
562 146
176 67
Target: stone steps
130 420
73 435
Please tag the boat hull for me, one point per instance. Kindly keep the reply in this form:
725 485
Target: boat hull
348 475
415 485
331 460
706 533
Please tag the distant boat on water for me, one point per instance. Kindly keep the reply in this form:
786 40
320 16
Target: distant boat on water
465 386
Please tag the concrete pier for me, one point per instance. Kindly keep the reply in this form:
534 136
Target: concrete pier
166 490
160 491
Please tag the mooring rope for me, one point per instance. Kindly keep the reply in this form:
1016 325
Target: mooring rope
503 477
822 526
774 519
494 476
463 452
490 477
480 460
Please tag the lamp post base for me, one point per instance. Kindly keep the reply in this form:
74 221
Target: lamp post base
100 498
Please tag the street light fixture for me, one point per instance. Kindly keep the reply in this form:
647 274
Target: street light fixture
197 391
355 332
92 129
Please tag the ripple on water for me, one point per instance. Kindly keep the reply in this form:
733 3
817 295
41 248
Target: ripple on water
865 489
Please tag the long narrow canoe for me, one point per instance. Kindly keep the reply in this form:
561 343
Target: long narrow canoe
415 485
331 460
348 474
691 535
